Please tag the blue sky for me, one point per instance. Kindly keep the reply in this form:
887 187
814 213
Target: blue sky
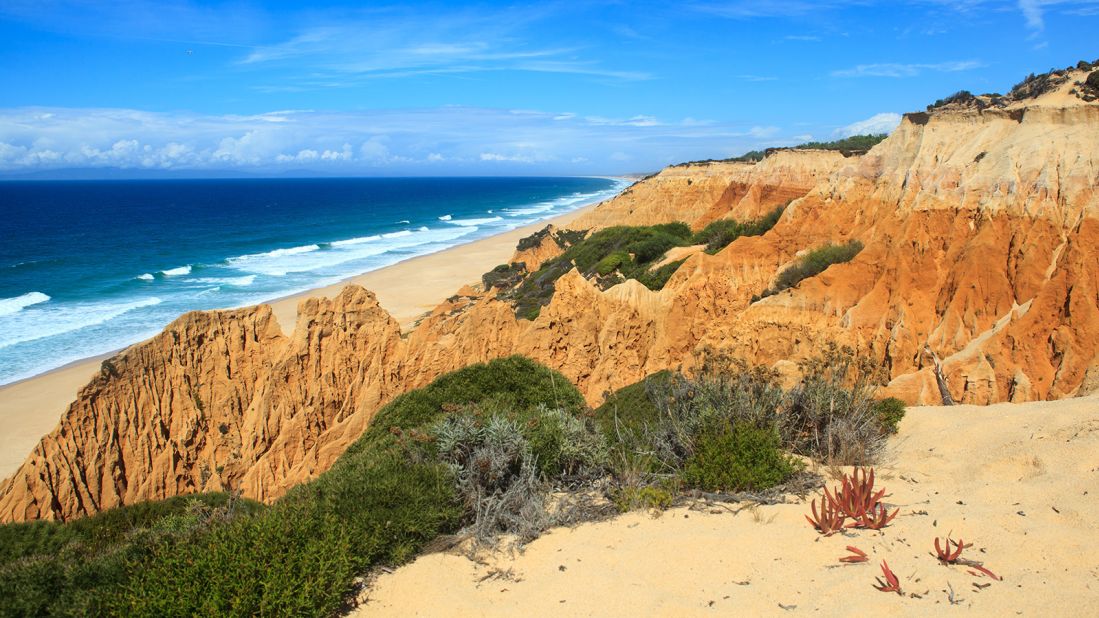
491 88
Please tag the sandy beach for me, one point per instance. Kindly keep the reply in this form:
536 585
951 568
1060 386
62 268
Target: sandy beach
1019 481
31 408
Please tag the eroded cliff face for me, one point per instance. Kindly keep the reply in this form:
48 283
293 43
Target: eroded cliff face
699 194
980 230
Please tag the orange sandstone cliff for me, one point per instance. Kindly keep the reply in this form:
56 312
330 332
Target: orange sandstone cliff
980 226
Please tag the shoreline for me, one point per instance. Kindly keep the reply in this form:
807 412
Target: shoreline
407 289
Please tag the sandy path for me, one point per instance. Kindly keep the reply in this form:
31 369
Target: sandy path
31 408
992 476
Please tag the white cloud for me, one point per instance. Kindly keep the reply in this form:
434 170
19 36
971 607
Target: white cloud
884 122
763 132
636 121
496 157
1032 12
443 140
402 43
890 69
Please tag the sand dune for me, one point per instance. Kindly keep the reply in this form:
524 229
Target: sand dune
1019 481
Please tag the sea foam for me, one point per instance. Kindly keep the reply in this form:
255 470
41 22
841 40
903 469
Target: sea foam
177 272
9 306
474 222
282 262
38 323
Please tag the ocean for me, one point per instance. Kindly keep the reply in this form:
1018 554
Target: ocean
87 267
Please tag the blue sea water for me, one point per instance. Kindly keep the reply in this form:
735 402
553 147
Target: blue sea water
87 267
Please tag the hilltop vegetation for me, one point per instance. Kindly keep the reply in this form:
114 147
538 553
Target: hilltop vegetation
812 264
613 255
848 146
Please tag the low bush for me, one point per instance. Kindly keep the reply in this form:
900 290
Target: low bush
515 382
632 498
613 254
814 263
504 276
657 278
299 557
855 144
890 411
505 465
76 568
831 415
719 234
738 457
631 407
727 427
496 475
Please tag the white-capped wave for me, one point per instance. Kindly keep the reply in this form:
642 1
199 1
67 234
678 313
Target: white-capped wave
246 280
355 241
176 272
532 210
423 228
405 221
9 306
475 222
446 217
283 262
40 322
145 277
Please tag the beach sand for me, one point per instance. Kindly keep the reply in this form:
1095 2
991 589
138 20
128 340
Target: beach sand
1019 481
31 408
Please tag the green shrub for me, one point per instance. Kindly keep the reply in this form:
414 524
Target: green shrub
890 412
831 414
854 144
504 276
513 382
647 497
719 234
628 251
656 279
565 445
814 263
611 263
633 406
737 458
76 568
1093 80
505 464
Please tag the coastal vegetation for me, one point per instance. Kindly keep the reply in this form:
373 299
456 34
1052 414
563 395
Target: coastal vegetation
502 448
717 235
613 255
608 256
848 146
855 144
812 264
